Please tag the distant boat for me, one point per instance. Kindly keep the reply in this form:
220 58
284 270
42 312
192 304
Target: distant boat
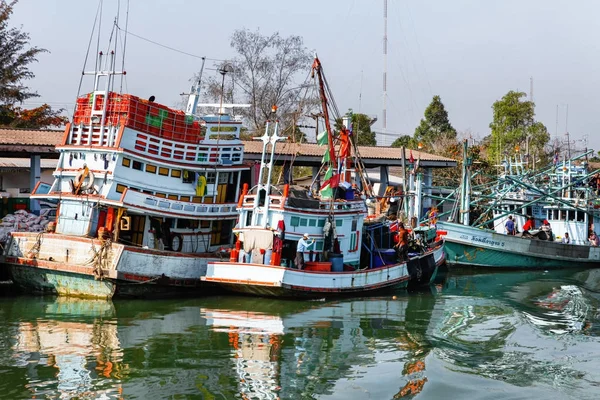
564 195
353 251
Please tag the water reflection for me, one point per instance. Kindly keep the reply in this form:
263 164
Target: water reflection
520 334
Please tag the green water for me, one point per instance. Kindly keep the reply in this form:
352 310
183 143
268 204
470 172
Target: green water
473 335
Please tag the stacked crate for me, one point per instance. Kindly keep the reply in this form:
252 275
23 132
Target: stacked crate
141 115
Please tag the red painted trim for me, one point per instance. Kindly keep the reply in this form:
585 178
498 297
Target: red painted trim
168 253
240 167
88 147
237 265
120 135
232 216
51 265
95 171
239 282
350 289
66 134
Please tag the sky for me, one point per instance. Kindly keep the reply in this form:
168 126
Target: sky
469 52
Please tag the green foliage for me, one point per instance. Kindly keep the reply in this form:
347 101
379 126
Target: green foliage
435 125
406 141
361 128
514 128
15 57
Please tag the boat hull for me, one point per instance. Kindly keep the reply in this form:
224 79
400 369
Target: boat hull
423 270
276 281
65 265
473 247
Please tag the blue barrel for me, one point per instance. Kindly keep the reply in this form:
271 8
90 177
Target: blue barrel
337 262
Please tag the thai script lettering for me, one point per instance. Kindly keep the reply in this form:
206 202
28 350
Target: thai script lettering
488 241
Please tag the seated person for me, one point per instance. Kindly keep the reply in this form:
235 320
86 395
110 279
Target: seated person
529 225
594 239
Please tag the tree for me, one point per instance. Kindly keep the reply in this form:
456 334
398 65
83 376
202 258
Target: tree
514 128
15 57
361 129
264 71
435 125
404 140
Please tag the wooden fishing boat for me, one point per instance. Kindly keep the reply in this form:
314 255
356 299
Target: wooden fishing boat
349 256
562 195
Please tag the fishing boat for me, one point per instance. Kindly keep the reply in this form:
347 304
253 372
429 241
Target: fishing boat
563 195
146 197
352 251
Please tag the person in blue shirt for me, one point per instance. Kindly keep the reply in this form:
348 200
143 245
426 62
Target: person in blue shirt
303 245
510 226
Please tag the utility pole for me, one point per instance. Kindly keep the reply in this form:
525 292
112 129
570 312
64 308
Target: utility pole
567 132
385 40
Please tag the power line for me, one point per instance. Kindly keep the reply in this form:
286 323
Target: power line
167 47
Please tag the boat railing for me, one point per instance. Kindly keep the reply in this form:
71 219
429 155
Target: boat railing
274 201
164 205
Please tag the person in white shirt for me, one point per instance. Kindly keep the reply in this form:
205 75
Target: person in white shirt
566 239
303 245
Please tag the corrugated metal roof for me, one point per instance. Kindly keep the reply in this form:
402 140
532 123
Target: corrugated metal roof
30 137
18 163
313 149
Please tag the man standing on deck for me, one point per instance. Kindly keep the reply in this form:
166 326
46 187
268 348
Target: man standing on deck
510 226
303 245
402 245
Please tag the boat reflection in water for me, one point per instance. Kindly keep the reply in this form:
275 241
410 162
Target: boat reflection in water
326 348
525 335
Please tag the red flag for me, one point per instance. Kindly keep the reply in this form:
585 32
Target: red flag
411 159
334 182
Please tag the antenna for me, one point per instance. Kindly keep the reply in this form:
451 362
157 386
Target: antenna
531 89
385 4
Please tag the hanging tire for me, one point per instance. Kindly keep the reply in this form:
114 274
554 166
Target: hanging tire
176 242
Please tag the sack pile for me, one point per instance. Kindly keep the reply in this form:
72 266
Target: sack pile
22 221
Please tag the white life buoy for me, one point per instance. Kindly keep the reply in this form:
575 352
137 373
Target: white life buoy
84 179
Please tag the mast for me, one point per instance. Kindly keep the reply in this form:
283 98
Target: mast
195 93
319 70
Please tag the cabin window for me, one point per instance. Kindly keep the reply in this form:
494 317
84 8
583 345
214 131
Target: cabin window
184 198
321 223
121 188
223 177
148 191
172 197
204 224
295 221
580 216
187 223
319 245
249 218
312 222
196 199
571 215
303 222
138 165
210 177
162 195
126 162
189 176
176 173
354 226
163 171
563 215
339 222
151 168
353 240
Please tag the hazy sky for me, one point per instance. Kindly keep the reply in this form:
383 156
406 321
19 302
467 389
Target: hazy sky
470 52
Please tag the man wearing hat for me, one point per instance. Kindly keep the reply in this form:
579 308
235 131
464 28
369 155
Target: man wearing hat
303 245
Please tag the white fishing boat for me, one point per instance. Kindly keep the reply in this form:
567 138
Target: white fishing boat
146 197
352 252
